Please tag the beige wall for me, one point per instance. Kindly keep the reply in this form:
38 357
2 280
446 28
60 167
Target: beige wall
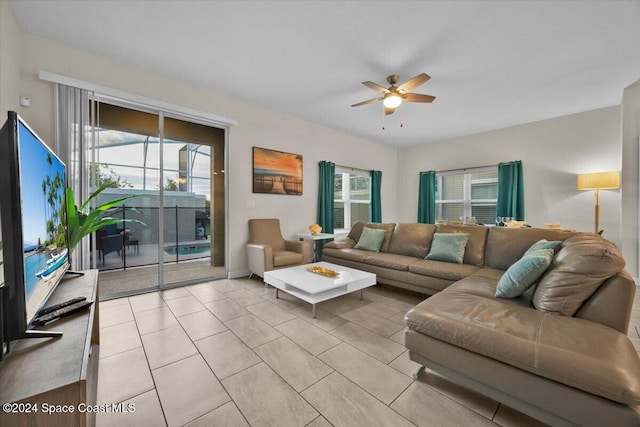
9 73
552 151
630 215
9 61
256 126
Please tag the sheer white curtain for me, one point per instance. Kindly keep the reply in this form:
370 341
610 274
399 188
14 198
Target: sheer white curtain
74 139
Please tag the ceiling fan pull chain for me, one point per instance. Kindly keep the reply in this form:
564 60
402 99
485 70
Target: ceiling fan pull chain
401 116
383 115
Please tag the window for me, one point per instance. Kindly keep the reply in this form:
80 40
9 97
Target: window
352 196
467 193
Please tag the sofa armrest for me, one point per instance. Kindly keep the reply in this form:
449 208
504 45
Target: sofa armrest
260 258
301 247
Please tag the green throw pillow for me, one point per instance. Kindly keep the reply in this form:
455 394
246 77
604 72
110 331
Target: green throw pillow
371 239
524 273
448 247
543 244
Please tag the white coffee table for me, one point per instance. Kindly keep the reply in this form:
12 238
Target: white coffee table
314 288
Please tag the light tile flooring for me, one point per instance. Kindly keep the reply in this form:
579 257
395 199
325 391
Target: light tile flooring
228 353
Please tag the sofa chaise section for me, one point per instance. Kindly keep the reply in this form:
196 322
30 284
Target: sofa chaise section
559 369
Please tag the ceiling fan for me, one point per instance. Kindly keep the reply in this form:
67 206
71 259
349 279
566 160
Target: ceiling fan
393 96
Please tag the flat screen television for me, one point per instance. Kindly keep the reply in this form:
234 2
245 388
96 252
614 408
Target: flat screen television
34 224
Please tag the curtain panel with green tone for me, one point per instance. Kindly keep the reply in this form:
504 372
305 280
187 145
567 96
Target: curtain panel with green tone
375 206
510 190
326 189
427 198
325 195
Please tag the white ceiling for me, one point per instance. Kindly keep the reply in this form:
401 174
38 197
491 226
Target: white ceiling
492 63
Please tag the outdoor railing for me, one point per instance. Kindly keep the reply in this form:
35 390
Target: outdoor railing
186 233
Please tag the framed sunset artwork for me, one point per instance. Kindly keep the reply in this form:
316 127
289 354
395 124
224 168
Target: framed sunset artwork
276 172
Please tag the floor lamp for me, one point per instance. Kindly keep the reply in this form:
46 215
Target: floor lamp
599 181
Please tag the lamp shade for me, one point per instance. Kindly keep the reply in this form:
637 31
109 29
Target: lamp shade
599 181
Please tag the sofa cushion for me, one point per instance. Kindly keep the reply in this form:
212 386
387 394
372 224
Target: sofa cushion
356 231
442 269
474 251
483 283
543 244
357 255
392 261
581 265
506 245
523 273
448 247
370 239
388 228
428 285
412 239
575 352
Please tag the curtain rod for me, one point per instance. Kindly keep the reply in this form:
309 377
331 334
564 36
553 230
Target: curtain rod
466 169
351 168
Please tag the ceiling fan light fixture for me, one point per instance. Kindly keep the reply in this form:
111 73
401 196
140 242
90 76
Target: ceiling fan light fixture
392 100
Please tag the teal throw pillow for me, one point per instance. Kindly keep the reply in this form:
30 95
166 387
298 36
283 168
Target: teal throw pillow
543 244
448 247
524 273
371 239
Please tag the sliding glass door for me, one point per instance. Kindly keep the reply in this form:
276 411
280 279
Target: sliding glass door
173 171
194 202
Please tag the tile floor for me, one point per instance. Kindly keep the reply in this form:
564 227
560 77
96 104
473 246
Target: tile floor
228 353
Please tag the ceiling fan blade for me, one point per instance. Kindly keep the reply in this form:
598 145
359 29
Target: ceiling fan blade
388 110
413 82
417 97
369 101
376 87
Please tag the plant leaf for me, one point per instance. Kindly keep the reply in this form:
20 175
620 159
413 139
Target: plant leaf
81 224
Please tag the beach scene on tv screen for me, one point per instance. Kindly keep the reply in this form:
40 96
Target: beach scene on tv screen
42 191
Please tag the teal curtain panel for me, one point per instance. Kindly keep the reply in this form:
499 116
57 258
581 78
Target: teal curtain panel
427 198
325 196
375 207
510 190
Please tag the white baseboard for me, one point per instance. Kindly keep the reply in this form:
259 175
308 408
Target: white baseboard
238 274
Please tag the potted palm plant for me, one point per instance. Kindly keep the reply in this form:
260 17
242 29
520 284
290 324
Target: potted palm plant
81 224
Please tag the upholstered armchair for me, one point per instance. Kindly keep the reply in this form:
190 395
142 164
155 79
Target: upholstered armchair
268 250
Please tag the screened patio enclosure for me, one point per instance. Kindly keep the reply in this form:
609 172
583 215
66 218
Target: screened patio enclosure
173 172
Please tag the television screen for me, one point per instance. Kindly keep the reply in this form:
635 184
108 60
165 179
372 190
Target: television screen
34 223
44 234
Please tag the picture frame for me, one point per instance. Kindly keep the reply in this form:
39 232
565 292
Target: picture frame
277 172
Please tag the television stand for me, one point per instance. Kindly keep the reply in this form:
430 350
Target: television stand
62 371
74 273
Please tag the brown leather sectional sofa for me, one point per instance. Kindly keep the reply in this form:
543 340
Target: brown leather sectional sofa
558 353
